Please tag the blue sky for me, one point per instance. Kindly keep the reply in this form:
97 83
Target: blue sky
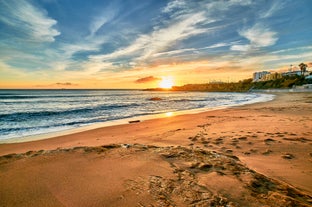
113 44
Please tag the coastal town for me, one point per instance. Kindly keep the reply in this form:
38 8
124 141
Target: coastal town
302 70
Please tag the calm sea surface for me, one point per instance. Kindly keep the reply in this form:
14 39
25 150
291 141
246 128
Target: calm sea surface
33 112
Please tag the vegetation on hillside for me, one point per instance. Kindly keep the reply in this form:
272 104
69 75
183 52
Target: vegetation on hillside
240 86
285 82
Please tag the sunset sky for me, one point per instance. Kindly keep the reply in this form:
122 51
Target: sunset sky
137 43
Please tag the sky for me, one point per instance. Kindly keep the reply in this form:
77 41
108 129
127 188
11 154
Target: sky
137 43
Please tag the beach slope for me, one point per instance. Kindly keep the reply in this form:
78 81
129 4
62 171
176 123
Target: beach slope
253 155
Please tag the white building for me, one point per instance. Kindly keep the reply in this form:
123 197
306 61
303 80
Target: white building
258 75
292 73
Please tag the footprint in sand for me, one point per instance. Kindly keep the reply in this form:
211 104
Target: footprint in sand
267 152
242 138
268 141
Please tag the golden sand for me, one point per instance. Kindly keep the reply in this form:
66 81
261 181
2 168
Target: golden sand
253 155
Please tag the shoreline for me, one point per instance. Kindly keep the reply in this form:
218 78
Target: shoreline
251 155
117 122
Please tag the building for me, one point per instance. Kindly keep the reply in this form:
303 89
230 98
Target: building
258 75
267 76
292 73
271 76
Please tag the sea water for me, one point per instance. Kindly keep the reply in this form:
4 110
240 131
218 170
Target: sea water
32 112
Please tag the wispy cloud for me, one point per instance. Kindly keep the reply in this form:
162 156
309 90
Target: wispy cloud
273 9
8 71
162 39
293 50
86 44
158 40
241 2
240 47
29 20
194 50
173 5
258 36
105 17
184 22
122 40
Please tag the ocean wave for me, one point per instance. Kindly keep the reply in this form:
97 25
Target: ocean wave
22 116
17 97
37 112
189 100
4 96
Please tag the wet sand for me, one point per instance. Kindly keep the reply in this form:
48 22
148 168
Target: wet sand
253 155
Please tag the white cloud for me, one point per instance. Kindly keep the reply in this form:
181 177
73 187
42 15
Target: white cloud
172 5
166 37
158 40
180 51
186 20
224 6
243 48
99 21
241 2
258 36
222 44
292 50
28 19
89 44
7 70
272 10
276 59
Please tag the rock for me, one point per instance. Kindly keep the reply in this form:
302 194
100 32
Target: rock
205 167
134 121
288 156
125 145
29 153
155 99
9 156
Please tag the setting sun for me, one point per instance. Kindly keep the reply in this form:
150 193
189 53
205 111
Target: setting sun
166 82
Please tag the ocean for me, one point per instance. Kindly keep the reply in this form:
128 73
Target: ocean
33 112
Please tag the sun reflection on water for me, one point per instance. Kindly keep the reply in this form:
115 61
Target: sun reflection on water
168 114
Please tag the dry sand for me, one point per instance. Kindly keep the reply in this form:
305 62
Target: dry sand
254 155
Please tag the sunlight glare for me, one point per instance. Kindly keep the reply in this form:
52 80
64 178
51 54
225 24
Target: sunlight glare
168 114
166 82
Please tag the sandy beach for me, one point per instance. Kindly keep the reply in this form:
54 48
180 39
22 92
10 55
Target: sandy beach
252 155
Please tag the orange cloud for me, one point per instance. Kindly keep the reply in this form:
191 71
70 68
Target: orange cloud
147 79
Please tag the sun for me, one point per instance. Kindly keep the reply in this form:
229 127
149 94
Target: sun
166 82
